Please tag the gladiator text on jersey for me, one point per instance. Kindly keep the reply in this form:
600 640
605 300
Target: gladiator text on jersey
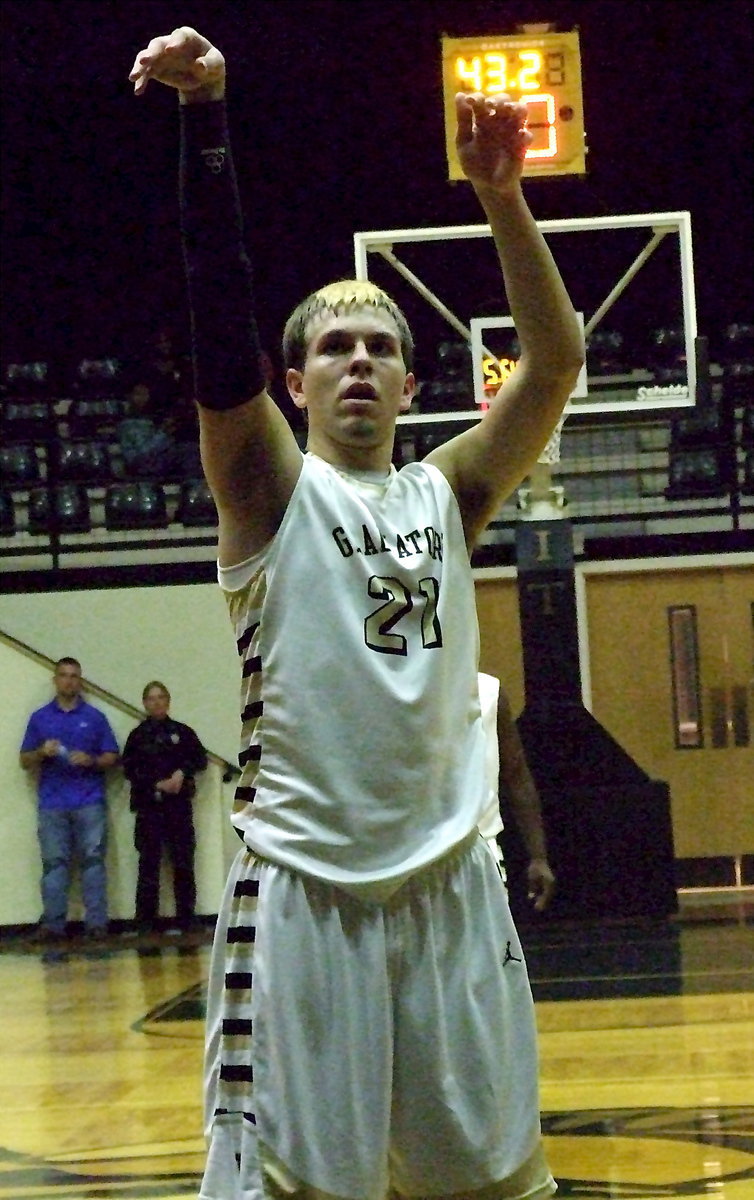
417 541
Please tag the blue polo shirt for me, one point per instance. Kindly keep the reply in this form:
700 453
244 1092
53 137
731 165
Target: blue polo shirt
61 784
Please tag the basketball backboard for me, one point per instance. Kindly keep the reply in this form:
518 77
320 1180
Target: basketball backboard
633 271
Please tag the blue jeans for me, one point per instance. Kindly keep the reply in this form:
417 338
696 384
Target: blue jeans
63 834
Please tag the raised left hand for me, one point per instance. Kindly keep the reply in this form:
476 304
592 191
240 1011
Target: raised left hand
492 139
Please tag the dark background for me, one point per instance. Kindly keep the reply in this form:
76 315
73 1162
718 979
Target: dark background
337 124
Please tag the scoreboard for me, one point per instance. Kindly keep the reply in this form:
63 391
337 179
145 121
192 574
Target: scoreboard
541 70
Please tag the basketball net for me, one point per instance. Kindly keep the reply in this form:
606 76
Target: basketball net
540 500
551 451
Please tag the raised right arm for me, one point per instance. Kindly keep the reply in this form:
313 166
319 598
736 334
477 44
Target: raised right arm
249 454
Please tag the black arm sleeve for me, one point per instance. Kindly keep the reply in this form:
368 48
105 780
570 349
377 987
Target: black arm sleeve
225 341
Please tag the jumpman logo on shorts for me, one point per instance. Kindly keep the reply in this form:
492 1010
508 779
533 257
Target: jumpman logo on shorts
508 956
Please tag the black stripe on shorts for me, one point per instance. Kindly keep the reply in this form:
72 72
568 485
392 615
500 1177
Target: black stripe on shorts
242 933
235 1027
238 981
233 1074
246 637
246 887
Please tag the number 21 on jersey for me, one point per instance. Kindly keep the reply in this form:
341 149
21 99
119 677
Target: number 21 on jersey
397 604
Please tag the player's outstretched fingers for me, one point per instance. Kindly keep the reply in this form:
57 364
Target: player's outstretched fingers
144 63
183 59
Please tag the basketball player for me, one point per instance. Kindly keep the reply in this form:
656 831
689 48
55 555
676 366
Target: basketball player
370 1024
509 780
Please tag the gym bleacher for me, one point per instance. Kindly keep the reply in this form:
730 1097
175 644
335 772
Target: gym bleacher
67 499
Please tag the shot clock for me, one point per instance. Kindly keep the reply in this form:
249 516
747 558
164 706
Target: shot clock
543 70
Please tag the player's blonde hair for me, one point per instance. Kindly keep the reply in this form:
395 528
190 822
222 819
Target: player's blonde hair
340 297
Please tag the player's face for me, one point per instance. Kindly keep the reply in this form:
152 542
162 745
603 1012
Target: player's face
354 382
156 703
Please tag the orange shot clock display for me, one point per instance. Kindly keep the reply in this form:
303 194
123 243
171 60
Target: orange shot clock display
542 70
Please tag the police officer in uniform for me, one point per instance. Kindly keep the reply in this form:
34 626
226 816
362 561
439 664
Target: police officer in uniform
160 760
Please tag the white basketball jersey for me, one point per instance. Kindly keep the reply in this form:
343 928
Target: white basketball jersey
490 822
362 751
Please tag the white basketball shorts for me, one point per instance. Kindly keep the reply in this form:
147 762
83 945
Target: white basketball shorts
356 1050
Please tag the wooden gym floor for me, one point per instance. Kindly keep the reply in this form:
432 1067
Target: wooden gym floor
646 1042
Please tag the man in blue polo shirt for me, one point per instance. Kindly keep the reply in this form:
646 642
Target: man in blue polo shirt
72 744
